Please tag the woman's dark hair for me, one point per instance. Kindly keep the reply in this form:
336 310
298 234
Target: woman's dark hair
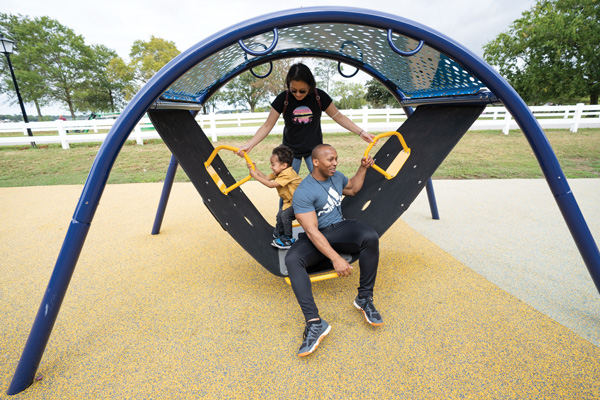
285 154
300 72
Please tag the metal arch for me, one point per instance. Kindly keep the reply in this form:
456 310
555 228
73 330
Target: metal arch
396 92
143 100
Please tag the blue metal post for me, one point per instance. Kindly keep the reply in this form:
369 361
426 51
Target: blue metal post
49 308
164 197
432 202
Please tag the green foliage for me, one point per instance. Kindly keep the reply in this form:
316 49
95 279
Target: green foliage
324 72
551 52
246 89
28 59
378 96
53 64
67 59
348 95
97 92
121 81
147 58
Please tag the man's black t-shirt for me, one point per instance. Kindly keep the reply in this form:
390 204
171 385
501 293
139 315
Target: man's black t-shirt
302 131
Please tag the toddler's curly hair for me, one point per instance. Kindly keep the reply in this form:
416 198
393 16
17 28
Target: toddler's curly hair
285 154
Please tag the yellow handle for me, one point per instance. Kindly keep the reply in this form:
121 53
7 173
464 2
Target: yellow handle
215 175
382 135
317 278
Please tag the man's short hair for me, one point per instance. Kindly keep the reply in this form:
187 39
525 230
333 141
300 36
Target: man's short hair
318 149
285 154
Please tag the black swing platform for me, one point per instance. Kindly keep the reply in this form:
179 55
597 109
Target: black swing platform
431 132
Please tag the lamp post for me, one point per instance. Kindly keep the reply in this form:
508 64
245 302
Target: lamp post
6 47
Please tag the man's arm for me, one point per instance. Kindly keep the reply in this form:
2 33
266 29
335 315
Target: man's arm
356 182
310 224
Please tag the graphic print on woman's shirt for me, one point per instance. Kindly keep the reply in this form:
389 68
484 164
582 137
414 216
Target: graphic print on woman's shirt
302 115
333 200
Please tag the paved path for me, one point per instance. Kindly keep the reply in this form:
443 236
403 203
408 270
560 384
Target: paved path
512 233
188 314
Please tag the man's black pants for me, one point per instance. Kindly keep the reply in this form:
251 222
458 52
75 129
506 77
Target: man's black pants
349 237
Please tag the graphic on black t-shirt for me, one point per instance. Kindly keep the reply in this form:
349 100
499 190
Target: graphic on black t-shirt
302 115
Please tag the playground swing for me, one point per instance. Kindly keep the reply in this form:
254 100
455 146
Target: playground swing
448 85
391 171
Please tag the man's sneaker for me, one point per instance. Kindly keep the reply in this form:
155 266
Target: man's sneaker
313 334
371 314
282 242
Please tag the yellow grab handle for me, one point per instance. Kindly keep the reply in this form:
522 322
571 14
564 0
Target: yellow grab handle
404 146
317 278
216 177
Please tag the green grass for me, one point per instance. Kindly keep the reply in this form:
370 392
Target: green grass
479 155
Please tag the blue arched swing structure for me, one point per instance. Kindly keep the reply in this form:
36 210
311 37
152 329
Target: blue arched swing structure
448 85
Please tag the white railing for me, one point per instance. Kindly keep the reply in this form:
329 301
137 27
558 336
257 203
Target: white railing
242 124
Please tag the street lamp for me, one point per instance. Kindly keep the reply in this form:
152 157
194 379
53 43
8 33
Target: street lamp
6 47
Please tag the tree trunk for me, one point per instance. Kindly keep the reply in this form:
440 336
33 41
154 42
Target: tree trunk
39 110
71 110
594 98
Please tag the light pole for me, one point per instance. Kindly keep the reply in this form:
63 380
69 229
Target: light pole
6 47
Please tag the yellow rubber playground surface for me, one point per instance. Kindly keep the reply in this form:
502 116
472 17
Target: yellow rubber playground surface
188 314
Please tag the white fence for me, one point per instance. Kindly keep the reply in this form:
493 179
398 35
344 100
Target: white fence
216 125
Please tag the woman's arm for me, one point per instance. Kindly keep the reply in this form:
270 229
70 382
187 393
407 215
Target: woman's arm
347 123
261 133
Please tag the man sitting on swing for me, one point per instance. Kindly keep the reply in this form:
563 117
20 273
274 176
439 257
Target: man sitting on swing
317 205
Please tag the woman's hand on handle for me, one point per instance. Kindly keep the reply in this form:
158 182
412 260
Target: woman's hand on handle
244 149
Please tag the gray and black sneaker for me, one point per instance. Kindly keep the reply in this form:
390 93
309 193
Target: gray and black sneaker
313 334
371 314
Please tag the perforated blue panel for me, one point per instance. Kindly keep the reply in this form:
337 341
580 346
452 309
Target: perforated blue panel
429 73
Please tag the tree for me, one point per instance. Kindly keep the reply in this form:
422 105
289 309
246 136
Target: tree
28 60
325 70
54 64
99 92
147 58
67 59
551 52
246 89
121 80
275 82
348 94
378 96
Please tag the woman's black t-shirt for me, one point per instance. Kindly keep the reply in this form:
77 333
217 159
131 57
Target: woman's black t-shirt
302 131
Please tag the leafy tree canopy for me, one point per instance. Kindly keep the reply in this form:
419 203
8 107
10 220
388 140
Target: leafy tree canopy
551 52
378 96
348 95
325 70
147 58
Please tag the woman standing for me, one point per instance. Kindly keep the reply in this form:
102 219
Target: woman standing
302 105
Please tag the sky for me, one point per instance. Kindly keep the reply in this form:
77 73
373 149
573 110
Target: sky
118 23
